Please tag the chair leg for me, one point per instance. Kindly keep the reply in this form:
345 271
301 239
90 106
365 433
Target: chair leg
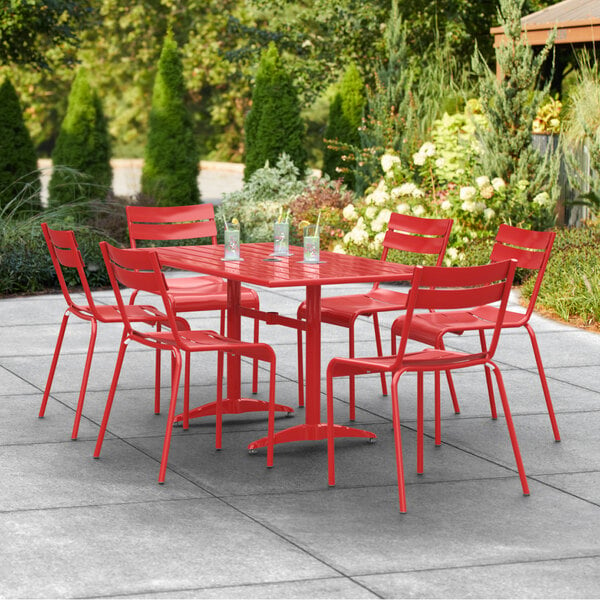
171 417
157 378
379 351
255 361
511 431
219 405
419 422
186 390
488 378
351 379
111 396
84 380
271 423
398 442
438 418
330 437
57 347
540 367
451 387
300 369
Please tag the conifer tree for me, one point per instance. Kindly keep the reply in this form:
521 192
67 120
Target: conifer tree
19 178
83 147
510 106
171 165
273 124
345 118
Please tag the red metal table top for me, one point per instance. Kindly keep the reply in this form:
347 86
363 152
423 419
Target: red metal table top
288 271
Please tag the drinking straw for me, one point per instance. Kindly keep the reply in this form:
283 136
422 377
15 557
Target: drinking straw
280 213
318 219
225 221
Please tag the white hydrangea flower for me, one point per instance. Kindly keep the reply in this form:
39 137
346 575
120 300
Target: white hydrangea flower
407 188
339 248
380 237
446 205
467 193
482 181
349 212
498 183
427 149
417 193
384 215
419 159
543 199
452 253
396 192
440 163
403 208
377 224
489 213
388 161
379 196
487 191
418 210
480 207
468 206
371 212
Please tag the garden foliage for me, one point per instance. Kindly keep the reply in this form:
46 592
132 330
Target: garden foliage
19 176
171 165
273 125
345 119
511 106
81 156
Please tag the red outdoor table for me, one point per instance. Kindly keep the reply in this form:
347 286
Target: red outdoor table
257 267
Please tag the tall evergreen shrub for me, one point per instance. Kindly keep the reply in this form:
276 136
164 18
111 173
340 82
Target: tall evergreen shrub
81 156
345 118
510 106
171 165
273 124
19 178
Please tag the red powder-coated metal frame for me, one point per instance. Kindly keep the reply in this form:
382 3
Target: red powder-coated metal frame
333 269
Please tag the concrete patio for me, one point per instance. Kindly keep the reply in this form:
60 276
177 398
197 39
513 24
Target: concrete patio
224 526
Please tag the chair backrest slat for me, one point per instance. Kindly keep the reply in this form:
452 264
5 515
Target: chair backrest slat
64 252
155 223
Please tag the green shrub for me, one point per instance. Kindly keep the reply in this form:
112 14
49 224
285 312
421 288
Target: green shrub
273 125
345 118
19 176
571 286
171 165
83 146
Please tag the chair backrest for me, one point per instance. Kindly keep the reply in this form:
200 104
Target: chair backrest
194 221
65 253
418 235
139 270
531 249
460 288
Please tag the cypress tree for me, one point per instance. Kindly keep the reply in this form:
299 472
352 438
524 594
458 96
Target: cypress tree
19 177
273 124
345 117
511 105
170 173
83 146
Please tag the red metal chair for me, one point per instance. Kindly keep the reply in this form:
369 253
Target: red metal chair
140 270
434 288
189 294
405 233
65 254
531 250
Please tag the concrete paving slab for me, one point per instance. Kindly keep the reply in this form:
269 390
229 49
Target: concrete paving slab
448 525
569 578
143 547
69 477
585 485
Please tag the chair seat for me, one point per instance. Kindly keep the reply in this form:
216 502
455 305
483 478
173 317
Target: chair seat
426 328
205 293
343 310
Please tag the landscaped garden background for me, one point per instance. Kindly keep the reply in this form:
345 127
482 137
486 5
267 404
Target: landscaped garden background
396 103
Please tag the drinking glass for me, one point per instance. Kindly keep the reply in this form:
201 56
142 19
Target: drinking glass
281 238
311 244
232 242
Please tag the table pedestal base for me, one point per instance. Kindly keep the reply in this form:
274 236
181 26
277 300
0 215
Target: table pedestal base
303 433
233 407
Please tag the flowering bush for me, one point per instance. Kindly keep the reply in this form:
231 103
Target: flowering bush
439 182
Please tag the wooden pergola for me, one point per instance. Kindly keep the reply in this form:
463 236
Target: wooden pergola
576 21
